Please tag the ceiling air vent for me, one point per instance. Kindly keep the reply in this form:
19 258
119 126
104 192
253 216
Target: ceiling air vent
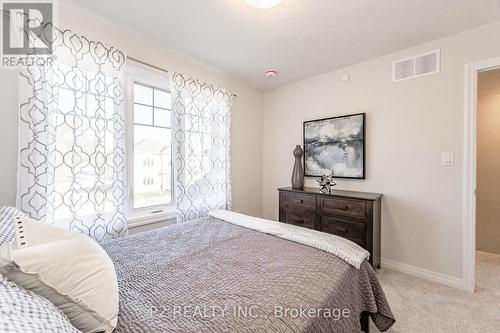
410 68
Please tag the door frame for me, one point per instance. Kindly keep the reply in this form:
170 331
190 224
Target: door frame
470 168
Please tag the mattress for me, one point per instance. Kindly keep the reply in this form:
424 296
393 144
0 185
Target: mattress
208 275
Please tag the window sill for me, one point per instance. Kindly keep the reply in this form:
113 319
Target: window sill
137 220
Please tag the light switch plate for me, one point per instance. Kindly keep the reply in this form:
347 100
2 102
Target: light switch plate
448 159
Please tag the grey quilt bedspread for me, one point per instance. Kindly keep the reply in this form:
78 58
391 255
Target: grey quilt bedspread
211 276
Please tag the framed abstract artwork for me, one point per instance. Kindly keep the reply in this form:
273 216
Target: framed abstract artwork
335 146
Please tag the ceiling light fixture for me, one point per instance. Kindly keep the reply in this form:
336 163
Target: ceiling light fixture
263 4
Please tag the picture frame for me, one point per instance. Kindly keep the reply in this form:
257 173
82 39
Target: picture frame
335 145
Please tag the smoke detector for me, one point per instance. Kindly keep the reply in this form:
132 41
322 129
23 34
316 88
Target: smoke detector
271 74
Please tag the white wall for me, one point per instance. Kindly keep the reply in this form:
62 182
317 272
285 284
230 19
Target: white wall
9 96
409 125
247 116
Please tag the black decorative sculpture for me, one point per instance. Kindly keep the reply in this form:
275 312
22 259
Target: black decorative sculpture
326 183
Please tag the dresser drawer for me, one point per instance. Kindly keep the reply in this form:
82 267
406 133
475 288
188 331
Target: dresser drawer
301 219
355 216
344 207
354 231
299 201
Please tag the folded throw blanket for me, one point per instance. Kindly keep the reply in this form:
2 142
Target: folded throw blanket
343 248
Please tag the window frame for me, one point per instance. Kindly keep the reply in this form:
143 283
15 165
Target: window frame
153 78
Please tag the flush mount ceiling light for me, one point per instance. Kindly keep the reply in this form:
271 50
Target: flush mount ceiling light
263 4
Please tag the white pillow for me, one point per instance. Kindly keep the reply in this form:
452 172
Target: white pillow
69 269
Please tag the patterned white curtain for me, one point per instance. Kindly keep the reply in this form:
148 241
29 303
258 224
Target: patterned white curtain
202 123
72 169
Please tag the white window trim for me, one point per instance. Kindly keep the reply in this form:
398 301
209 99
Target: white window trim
153 214
151 218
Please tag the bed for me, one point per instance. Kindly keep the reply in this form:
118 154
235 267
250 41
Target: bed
209 275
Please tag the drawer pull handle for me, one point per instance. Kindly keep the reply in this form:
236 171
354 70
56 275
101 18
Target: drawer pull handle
299 220
344 208
341 229
299 201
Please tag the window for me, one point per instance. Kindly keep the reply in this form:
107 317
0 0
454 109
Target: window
148 162
96 109
146 181
198 129
152 144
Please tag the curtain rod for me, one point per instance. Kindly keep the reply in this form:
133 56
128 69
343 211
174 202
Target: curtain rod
147 64
155 67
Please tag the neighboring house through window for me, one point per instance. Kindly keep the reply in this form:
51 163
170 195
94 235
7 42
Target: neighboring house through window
150 142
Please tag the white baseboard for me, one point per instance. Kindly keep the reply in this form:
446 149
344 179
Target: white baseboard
426 274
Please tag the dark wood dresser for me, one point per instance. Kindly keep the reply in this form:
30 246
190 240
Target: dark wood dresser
352 215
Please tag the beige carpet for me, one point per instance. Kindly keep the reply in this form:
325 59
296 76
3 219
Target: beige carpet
427 307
